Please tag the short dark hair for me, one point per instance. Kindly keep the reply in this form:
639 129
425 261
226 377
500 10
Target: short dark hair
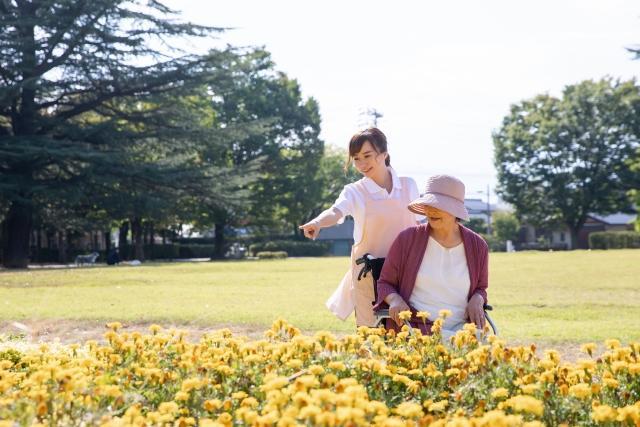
375 137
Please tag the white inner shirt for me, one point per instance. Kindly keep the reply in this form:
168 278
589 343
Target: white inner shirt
442 283
351 202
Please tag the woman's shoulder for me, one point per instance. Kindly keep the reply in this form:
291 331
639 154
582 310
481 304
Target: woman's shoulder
414 232
476 238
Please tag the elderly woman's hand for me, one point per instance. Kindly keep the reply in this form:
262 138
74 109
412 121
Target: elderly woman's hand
396 306
475 310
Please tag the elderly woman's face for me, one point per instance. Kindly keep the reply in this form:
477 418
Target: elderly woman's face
438 218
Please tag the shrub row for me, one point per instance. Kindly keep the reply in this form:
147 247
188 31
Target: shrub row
291 247
614 239
272 255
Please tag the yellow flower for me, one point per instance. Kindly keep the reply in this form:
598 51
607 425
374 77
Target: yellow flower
581 390
439 406
612 344
338 366
603 413
526 404
212 405
405 315
409 410
423 315
588 348
500 393
444 313
181 396
114 326
154 329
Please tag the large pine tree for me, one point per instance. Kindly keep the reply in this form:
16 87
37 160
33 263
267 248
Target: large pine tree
70 73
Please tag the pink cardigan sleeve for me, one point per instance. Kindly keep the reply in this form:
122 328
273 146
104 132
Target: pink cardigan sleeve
389 281
483 273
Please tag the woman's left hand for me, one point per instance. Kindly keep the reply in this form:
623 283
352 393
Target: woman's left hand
475 311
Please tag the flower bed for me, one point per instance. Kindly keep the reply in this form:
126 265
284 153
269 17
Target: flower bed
287 379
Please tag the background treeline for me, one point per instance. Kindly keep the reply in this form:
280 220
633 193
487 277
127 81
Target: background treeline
105 123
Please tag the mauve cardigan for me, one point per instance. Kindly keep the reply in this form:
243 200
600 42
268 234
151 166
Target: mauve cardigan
405 257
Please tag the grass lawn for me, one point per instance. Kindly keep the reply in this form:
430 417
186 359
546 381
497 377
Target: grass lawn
555 297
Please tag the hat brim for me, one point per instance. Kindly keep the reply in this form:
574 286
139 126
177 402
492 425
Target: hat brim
439 201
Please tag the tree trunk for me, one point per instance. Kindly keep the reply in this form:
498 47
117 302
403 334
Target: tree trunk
138 238
152 232
219 241
36 256
164 236
123 231
16 230
64 239
107 242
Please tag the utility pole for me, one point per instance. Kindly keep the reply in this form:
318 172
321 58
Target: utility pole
371 116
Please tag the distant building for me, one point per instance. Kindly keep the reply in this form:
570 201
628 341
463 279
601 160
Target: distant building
340 237
477 208
561 237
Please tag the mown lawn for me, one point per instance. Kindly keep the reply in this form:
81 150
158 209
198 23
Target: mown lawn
553 297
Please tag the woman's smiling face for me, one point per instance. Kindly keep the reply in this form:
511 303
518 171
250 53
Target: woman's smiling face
438 218
367 161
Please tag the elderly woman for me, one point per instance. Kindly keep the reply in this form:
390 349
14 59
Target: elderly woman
439 265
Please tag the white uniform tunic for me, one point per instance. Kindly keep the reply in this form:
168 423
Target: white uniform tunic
379 216
443 283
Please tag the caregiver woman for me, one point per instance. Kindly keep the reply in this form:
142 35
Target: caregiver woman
378 205
439 265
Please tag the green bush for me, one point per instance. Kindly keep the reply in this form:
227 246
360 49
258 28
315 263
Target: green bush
271 255
495 244
291 247
614 239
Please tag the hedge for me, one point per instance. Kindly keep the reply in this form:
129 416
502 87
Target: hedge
271 255
291 247
614 239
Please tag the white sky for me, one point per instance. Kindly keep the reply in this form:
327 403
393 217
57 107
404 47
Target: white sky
443 73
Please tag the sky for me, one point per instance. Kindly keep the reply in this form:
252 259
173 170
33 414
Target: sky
443 74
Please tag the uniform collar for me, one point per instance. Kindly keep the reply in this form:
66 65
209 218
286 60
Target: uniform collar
372 187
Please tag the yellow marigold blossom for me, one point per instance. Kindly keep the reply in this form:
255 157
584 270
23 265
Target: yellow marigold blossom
619 365
114 326
191 384
316 369
275 384
212 405
439 406
526 404
529 388
329 379
338 366
581 391
603 413
499 393
612 344
409 410
588 348
181 396
444 313
423 315
405 315
610 382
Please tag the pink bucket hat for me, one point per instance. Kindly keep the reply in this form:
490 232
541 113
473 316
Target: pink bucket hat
443 192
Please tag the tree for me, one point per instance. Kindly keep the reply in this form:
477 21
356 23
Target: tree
505 226
61 61
560 159
479 225
290 147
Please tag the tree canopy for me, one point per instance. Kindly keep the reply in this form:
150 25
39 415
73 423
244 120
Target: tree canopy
559 159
